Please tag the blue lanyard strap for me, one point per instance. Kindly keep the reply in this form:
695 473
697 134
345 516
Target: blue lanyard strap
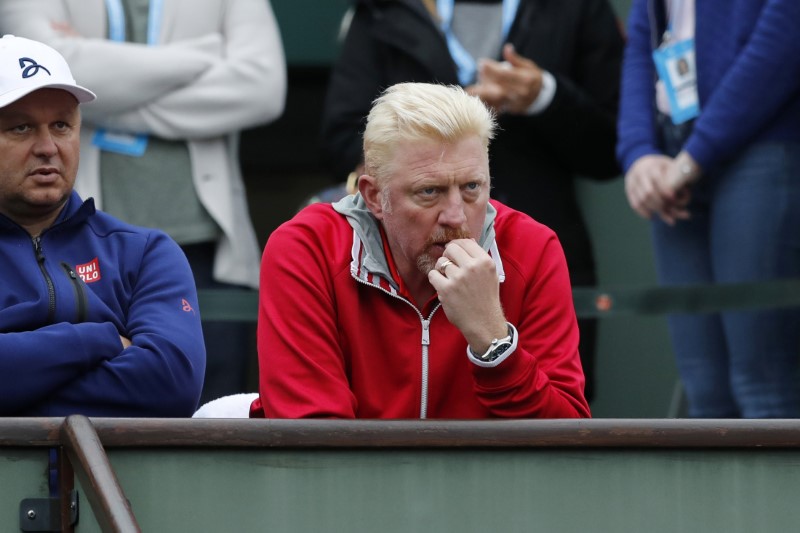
116 20
673 7
467 67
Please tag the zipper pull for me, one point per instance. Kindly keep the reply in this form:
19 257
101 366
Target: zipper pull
426 333
37 247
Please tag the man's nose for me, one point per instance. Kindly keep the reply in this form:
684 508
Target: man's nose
44 144
452 213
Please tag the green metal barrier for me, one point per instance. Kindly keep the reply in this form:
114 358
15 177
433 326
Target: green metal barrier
607 302
462 490
242 305
228 305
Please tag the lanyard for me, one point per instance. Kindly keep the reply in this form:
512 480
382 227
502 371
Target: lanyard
122 142
116 20
467 67
680 19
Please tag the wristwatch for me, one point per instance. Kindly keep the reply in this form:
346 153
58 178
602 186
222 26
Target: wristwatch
497 348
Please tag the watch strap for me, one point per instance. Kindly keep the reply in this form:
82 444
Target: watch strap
498 350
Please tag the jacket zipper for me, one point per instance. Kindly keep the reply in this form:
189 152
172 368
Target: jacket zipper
80 293
425 341
51 290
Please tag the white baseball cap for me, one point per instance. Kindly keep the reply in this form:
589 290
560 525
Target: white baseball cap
27 66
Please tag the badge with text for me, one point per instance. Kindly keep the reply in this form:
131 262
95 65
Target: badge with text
121 142
89 272
675 64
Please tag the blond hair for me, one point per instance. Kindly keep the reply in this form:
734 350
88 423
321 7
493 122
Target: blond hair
419 112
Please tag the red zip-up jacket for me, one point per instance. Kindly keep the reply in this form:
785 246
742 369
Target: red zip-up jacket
336 339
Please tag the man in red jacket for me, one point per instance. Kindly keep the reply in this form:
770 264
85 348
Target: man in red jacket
418 297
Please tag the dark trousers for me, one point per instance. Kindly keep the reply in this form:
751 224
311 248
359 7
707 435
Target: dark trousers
229 345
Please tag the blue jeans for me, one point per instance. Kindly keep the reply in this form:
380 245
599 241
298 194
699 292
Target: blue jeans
744 227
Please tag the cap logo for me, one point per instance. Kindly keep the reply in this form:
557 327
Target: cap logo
30 67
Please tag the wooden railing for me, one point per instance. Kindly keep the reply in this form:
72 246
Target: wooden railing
80 452
91 436
583 433
90 462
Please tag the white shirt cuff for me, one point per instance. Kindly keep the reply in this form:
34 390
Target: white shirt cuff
546 94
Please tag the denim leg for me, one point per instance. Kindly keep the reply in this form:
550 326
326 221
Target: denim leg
755 236
682 257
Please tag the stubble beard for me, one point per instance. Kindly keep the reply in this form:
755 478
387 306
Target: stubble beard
426 261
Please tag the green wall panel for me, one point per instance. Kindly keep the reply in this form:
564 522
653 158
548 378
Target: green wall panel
461 490
23 474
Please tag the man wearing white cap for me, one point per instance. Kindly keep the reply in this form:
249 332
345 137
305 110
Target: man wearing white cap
96 316
177 82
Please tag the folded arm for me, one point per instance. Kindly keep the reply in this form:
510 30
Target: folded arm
36 364
83 368
203 87
123 75
245 85
161 373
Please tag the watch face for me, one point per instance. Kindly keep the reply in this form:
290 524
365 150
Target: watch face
497 352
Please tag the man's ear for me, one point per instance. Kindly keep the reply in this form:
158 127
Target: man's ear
371 193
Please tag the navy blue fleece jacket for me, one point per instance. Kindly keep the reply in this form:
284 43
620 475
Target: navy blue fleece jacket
68 295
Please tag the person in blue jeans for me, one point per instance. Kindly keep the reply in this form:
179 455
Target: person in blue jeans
712 157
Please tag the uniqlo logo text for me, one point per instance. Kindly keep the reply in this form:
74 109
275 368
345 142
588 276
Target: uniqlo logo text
89 272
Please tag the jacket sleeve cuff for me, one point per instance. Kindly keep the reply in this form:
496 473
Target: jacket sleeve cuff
545 96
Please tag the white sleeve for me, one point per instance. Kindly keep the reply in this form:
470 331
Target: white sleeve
123 75
204 87
245 86
545 96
